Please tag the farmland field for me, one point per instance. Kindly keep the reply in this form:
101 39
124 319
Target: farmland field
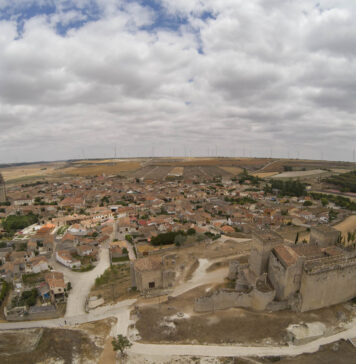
264 174
101 168
161 168
300 174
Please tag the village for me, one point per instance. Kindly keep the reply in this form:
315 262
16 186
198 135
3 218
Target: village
182 253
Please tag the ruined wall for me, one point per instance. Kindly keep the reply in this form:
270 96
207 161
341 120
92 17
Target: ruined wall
328 287
168 278
224 299
233 269
256 260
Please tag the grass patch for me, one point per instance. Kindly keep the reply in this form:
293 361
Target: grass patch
114 273
62 230
125 258
33 278
84 269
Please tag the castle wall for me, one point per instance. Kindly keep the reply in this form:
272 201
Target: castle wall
225 299
327 287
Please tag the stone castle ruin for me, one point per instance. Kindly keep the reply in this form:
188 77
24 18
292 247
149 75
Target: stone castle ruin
279 276
2 189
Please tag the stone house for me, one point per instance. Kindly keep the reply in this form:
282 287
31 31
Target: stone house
153 272
84 250
38 264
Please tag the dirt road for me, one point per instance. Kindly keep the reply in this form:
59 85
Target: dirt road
238 351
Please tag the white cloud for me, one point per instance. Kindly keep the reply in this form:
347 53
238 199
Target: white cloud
258 73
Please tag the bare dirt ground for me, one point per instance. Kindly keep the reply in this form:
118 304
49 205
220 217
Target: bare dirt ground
225 247
84 344
57 345
227 326
348 225
15 342
341 352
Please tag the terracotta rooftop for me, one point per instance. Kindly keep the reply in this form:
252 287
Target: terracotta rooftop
286 255
308 250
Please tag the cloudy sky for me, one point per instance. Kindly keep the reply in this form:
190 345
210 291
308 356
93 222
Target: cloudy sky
186 77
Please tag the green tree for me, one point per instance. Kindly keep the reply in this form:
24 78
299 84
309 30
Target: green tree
191 231
121 343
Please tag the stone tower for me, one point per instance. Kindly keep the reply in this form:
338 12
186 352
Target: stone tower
2 189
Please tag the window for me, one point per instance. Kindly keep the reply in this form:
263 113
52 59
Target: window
151 285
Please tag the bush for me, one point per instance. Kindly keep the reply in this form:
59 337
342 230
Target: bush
18 222
29 298
191 231
4 291
307 203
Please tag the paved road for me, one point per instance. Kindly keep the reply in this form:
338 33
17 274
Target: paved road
116 310
82 283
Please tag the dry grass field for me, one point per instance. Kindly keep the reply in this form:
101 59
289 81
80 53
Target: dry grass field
101 168
348 225
160 168
30 171
264 174
299 164
176 171
232 170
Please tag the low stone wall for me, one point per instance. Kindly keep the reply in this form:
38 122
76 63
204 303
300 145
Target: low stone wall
49 312
224 299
